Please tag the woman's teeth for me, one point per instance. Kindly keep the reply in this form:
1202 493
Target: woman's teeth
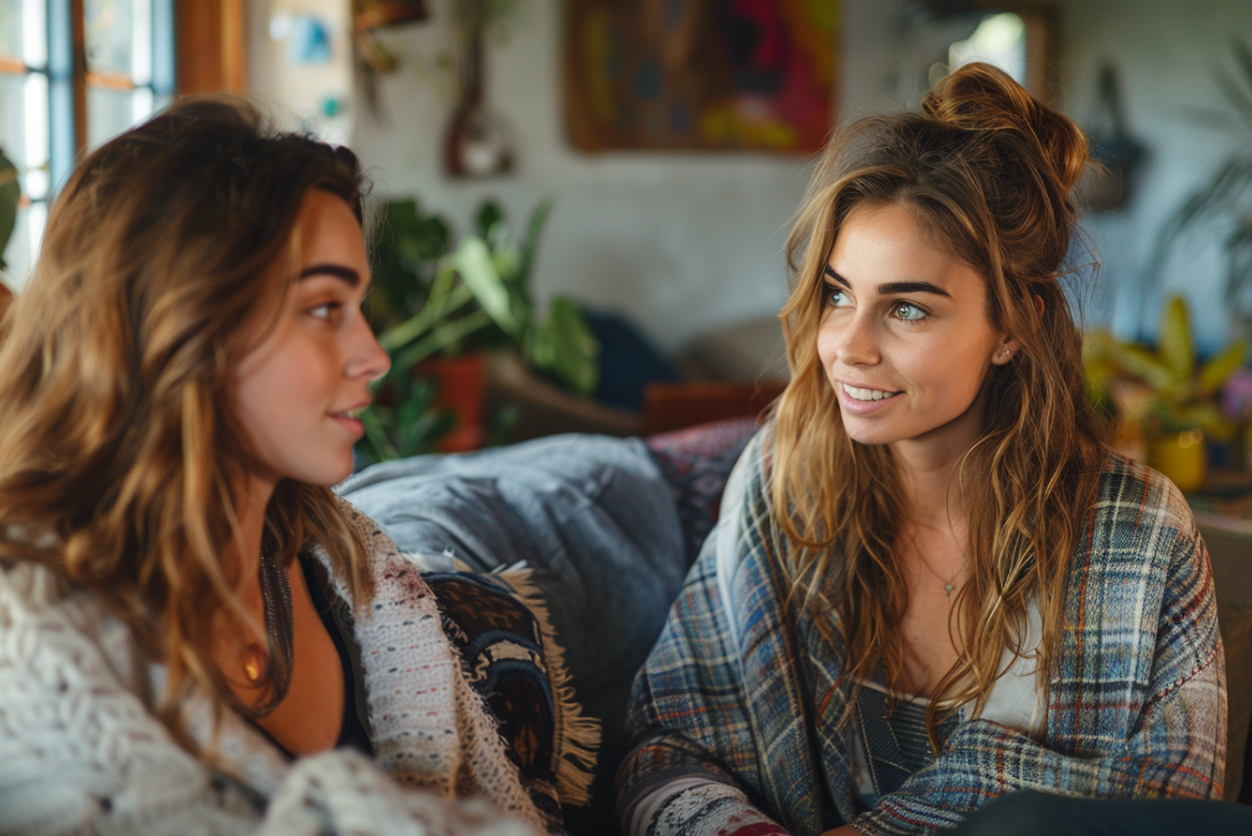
866 394
352 413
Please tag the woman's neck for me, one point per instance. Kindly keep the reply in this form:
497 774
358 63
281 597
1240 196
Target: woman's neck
245 557
927 467
932 495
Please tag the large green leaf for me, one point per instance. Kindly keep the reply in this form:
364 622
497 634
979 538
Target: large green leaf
426 319
10 196
1143 364
478 271
566 347
534 228
1177 349
1218 369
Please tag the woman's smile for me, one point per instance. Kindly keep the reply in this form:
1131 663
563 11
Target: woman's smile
863 400
350 419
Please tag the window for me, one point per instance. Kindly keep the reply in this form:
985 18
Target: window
74 73
1020 40
1000 39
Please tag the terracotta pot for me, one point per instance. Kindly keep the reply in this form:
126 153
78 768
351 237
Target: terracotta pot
1182 457
461 381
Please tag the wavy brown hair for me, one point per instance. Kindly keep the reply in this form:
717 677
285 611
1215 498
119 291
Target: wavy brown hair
121 461
987 171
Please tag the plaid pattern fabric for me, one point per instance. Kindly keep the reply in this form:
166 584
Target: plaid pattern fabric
735 714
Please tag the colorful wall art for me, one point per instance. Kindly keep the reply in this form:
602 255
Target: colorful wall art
700 74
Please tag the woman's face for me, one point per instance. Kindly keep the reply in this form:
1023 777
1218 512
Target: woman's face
299 390
904 335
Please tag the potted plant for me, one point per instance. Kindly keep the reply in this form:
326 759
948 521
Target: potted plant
1162 397
438 307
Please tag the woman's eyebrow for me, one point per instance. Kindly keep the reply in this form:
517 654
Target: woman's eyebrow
347 274
893 287
830 273
912 287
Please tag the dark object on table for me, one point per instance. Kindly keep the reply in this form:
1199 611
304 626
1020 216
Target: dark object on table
629 361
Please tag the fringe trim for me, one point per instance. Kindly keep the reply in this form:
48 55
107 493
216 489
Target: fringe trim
578 735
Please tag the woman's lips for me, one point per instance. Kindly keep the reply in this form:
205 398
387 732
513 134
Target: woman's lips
349 421
864 400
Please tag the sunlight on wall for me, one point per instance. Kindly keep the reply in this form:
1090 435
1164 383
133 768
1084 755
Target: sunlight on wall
999 40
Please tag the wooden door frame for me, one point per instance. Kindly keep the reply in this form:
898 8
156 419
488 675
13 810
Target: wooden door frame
210 36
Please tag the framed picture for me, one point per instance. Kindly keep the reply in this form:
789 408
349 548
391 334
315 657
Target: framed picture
756 75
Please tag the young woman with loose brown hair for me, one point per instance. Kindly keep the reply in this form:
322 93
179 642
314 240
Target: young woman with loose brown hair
931 584
196 635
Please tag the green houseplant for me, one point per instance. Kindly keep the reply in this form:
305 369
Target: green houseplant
1163 396
10 196
436 299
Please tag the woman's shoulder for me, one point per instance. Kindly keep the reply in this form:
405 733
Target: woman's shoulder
1140 542
376 541
1133 498
755 466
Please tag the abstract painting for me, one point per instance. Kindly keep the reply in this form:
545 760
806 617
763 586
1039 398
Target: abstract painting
700 74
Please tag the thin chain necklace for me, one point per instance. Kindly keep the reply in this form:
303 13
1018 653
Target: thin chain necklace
275 658
948 585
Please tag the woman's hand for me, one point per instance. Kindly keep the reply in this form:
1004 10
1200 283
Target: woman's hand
846 830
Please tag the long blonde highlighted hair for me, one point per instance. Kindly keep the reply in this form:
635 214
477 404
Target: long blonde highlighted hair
988 171
121 461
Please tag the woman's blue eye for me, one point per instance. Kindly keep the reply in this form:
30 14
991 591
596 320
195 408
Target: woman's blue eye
835 297
324 311
908 312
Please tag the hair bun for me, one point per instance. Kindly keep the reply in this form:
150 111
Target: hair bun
980 97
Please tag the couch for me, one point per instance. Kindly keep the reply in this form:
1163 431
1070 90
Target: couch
609 527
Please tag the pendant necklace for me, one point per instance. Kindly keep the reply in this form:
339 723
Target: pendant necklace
273 659
948 585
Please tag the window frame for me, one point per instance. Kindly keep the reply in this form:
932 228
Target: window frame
180 33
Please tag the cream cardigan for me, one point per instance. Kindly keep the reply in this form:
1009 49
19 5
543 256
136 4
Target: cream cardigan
82 752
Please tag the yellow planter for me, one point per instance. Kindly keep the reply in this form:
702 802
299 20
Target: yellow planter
1181 457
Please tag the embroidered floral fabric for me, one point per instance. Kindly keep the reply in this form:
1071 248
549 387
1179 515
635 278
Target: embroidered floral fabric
501 644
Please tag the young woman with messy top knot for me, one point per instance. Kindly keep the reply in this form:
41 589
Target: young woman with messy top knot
931 583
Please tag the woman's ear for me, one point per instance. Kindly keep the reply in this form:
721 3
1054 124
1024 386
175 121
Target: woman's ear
1004 350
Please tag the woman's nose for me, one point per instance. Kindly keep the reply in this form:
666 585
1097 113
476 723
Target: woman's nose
858 344
367 358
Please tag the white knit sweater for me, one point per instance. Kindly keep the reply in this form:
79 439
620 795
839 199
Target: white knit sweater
81 751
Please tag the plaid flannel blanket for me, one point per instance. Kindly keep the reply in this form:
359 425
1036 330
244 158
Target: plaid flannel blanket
735 714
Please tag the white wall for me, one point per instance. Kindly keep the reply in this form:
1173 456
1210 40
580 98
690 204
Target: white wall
297 92
684 242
